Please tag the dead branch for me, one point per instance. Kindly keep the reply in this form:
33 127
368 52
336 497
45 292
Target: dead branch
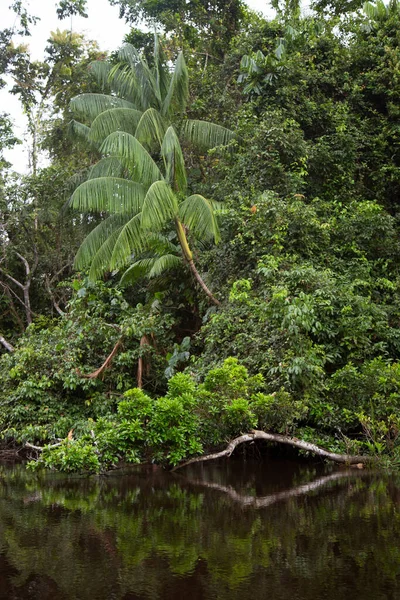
280 439
6 344
41 448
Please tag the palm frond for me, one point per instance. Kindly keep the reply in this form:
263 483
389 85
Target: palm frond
164 263
72 183
131 239
197 213
134 157
178 91
175 163
106 167
160 244
150 267
162 75
159 206
79 130
91 105
128 53
100 70
124 84
205 135
144 78
96 238
100 263
151 129
109 194
138 270
114 119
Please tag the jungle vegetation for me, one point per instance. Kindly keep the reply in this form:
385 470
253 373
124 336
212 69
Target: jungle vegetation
213 243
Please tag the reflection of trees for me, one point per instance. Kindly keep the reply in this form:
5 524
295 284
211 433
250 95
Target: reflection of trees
152 535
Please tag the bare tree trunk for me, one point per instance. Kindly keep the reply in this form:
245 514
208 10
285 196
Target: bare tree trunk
8 292
25 287
281 439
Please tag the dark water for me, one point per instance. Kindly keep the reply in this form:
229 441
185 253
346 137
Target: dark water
274 529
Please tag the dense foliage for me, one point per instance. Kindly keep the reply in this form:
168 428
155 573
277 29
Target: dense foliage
306 337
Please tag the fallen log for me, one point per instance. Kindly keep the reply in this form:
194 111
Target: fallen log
280 439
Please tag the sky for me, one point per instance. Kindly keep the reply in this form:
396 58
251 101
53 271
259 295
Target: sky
103 25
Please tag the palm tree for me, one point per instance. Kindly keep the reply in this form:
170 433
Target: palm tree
136 211
141 180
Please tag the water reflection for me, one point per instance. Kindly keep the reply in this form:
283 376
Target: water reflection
269 529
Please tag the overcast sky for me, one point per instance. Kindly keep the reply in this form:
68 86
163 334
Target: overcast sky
103 25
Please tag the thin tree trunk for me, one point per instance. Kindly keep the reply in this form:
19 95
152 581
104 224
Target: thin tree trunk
105 364
187 253
203 286
281 439
14 312
143 342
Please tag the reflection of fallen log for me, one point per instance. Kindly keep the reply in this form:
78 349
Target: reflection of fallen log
280 439
264 501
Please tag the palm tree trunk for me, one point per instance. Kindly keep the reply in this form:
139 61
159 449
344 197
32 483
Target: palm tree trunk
187 253
200 281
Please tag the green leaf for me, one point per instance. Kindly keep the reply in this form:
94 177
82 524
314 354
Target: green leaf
164 263
151 129
205 135
138 270
101 261
160 205
132 238
96 238
178 92
79 130
172 153
91 105
136 158
114 119
106 167
197 213
100 70
108 194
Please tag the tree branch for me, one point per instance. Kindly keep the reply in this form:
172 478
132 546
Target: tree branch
41 448
280 439
6 344
105 364
49 290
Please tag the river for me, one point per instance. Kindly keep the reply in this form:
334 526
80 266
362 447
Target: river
274 528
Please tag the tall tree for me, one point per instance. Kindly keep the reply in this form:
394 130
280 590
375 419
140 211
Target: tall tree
201 24
137 130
